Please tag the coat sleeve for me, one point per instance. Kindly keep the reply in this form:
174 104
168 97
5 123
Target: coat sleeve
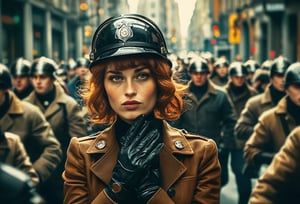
247 120
229 120
76 123
260 140
281 178
209 182
20 158
43 137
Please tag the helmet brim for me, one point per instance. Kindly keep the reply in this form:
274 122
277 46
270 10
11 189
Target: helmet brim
127 51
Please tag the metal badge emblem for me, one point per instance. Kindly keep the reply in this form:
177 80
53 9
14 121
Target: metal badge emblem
101 144
123 30
179 144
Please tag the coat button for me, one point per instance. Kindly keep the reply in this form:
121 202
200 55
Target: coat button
179 144
101 144
171 192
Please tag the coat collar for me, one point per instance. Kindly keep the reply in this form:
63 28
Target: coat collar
211 90
54 106
171 167
266 96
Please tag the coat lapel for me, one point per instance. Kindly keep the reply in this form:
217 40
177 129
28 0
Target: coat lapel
104 166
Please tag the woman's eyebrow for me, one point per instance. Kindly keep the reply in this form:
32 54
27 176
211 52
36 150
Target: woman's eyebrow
140 68
113 71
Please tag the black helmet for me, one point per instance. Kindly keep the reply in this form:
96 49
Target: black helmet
251 65
208 56
5 78
21 67
266 65
292 75
82 62
198 65
221 62
279 66
64 65
237 69
127 34
44 66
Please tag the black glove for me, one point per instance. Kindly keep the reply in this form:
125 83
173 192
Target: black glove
263 158
148 186
138 152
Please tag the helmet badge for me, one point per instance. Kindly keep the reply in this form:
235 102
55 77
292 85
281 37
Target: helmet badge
123 30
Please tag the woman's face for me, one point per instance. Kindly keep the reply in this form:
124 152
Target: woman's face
131 92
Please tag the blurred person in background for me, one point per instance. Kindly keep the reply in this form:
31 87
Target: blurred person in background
62 112
276 124
256 105
219 76
71 73
208 112
181 74
251 66
280 182
26 120
239 91
210 59
20 71
76 84
260 80
140 158
13 153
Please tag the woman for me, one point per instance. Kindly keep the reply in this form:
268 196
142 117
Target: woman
139 158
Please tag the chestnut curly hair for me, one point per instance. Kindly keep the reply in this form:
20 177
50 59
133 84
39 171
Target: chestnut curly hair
169 94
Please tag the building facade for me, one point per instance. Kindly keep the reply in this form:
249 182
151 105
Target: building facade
59 29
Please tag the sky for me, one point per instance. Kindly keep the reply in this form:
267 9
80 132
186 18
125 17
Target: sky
186 8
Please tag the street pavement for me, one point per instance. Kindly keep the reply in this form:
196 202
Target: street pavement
229 193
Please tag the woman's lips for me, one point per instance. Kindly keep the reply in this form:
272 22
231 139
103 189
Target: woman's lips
131 105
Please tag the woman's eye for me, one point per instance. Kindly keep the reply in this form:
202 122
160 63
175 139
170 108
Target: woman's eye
115 78
143 76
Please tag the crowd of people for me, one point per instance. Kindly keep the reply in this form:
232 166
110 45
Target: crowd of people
132 125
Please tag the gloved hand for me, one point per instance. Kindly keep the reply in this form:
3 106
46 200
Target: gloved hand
263 158
148 186
138 152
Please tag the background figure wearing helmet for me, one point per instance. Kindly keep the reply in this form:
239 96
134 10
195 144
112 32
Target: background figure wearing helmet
208 112
180 75
76 84
139 158
219 76
251 66
28 122
256 105
62 112
239 91
276 124
20 71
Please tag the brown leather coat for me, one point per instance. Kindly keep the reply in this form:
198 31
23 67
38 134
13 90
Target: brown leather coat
192 173
269 135
280 183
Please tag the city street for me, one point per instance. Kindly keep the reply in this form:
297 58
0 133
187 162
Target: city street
229 192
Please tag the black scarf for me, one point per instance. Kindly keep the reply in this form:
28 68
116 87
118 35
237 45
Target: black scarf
199 91
293 110
276 95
